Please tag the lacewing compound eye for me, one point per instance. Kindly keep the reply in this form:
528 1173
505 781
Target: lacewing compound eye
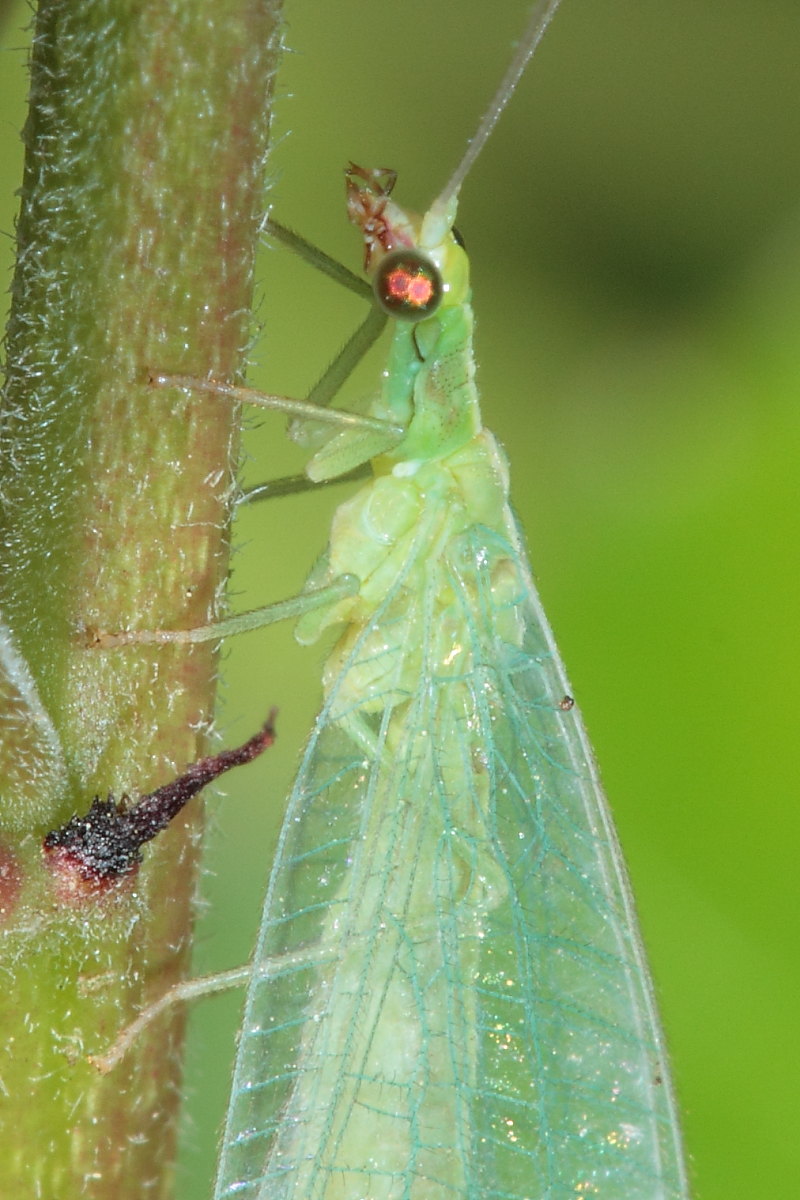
408 285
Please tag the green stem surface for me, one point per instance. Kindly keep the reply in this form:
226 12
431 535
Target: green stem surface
141 202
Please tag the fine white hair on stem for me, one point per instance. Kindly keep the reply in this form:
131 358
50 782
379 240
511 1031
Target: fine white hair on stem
540 18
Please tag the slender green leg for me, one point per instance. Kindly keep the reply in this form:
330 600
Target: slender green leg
348 358
318 259
335 375
368 332
194 989
255 618
189 989
285 404
290 485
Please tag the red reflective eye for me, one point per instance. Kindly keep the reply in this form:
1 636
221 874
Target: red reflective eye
408 285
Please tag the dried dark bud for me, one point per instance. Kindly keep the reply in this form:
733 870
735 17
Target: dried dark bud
92 853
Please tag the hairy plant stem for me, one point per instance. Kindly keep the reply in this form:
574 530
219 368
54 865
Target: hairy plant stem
141 202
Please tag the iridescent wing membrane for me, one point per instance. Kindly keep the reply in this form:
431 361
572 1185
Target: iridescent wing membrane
448 925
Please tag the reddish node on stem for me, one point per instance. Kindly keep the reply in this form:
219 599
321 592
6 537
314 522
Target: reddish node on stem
10 882
91 854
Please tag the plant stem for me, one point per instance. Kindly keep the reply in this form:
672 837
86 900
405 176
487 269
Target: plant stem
141 203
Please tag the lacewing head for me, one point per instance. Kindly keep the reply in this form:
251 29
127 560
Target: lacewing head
416 263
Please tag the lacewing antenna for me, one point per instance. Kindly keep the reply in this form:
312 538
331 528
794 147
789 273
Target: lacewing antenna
540 18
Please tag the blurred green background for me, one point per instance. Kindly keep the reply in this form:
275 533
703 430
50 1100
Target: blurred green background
634 229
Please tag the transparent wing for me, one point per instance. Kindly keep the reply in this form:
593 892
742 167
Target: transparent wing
449 995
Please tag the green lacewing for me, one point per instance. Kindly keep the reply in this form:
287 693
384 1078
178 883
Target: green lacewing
449 996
